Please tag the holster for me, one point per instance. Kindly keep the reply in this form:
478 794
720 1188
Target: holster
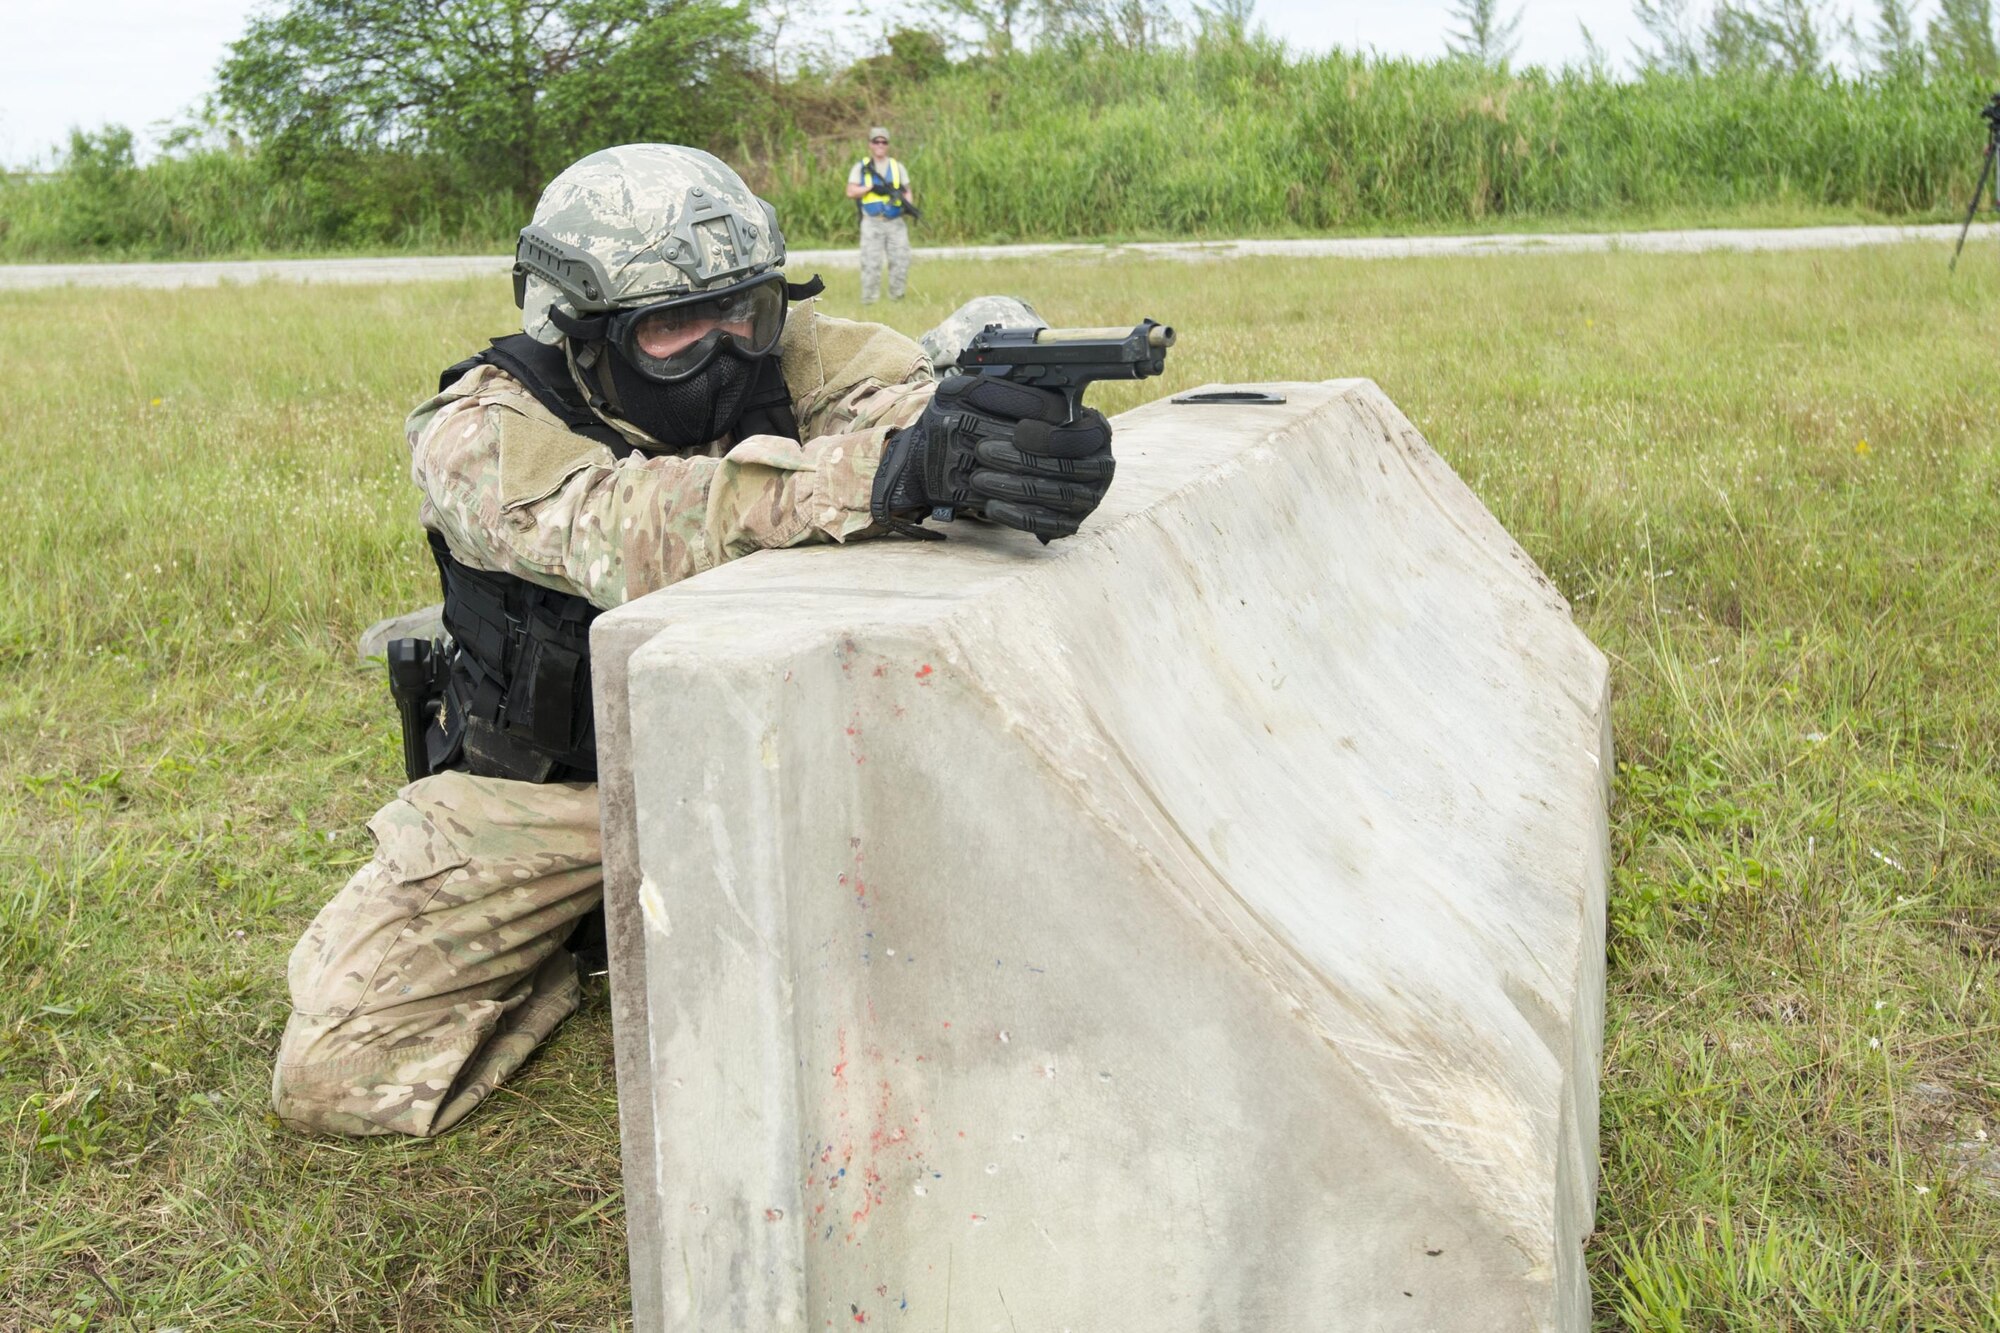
417 683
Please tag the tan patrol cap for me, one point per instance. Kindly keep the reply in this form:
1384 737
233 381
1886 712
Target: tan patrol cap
877 133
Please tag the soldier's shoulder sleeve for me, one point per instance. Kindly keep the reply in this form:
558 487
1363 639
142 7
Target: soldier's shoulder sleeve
494 468
537 454
829 362
488 438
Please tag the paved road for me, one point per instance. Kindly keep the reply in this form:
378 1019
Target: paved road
17 277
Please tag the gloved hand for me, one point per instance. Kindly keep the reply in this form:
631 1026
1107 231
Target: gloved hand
999 450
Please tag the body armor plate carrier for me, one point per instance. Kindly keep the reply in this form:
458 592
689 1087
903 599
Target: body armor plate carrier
507 694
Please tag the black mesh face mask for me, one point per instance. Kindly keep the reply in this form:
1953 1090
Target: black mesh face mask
685 414
683 370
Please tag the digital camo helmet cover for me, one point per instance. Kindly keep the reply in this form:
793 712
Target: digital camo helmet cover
640 223
950 337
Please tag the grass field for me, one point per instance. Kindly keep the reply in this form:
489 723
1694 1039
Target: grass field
1075 141
1770 486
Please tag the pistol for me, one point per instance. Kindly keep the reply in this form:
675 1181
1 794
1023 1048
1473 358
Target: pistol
413 684
1068 359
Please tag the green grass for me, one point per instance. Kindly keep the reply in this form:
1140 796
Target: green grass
1225 139
1768 483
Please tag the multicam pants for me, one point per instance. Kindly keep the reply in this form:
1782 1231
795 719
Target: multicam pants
884 241
428 980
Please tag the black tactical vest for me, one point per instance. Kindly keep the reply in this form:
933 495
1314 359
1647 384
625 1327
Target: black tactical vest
516 686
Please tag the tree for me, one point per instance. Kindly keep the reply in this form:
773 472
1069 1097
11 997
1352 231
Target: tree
1961 37
1133 25
1596 60
1224 20
1482 35
1671 28
1732 41
509 90
1896 47
917 54
1000 22
1772 34
774 17
1793 32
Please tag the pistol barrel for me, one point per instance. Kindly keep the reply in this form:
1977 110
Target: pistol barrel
1159 335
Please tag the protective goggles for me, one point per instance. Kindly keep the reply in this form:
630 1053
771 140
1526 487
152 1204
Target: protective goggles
669 341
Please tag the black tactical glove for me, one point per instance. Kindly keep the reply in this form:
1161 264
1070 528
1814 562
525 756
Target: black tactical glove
1000 451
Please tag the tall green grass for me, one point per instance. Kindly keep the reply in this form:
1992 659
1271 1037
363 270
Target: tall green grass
232 202
1222 139
1241 140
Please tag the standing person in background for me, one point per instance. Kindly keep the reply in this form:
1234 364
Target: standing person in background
880 187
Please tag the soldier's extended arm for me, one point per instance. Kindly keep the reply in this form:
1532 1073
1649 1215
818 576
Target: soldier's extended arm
514 494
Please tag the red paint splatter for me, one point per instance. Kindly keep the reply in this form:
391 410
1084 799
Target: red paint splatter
881 670
774 1215
924 671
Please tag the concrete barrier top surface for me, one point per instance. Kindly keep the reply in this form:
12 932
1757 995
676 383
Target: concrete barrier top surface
1201 913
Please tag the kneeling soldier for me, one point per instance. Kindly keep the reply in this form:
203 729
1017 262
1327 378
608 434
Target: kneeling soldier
664 410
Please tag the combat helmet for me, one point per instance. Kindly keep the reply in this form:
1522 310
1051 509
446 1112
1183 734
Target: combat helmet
637 225
660 274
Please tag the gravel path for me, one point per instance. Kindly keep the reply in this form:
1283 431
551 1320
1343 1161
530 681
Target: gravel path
19 277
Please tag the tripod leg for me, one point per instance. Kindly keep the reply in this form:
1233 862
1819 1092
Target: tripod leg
1985 170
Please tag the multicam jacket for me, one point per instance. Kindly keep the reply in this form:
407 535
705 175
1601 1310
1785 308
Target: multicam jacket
513 490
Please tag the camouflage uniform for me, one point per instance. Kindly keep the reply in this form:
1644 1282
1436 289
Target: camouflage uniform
885 245
440 966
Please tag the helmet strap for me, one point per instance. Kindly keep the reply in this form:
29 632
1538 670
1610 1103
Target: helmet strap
590 330
592 377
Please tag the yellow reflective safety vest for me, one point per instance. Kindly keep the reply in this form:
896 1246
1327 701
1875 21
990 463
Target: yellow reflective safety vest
879 202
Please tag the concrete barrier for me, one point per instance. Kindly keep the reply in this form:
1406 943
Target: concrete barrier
1193 925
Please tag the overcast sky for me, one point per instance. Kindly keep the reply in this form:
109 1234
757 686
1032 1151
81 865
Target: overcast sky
143 62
